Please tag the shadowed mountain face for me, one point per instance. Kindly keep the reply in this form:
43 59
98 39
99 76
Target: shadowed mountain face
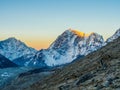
31 60
98 70
5 63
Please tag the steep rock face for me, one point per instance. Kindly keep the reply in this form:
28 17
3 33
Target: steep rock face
70 45
5 63
13 48
114 36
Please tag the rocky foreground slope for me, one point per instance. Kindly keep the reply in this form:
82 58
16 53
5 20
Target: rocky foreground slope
99 70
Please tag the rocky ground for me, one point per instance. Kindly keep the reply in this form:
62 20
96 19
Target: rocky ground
99 70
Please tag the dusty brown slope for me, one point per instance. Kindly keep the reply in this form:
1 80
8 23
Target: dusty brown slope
98 70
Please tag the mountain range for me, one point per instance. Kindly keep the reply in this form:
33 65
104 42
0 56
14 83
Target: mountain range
69 46
99 70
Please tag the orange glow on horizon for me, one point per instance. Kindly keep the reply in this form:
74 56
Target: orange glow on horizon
34 42
39 44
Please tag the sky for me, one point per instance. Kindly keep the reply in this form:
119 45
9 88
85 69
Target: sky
39 22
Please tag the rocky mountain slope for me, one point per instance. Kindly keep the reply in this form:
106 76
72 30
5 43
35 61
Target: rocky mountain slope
70 45
98 70
13 48
5 63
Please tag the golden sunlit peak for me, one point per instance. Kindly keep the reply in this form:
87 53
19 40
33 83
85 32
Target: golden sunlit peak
81 34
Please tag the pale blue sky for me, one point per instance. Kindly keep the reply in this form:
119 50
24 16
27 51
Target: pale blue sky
41 21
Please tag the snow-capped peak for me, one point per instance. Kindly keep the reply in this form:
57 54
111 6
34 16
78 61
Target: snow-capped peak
70 45
114 36
13 48
12 41
12 38
96 36
117 32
